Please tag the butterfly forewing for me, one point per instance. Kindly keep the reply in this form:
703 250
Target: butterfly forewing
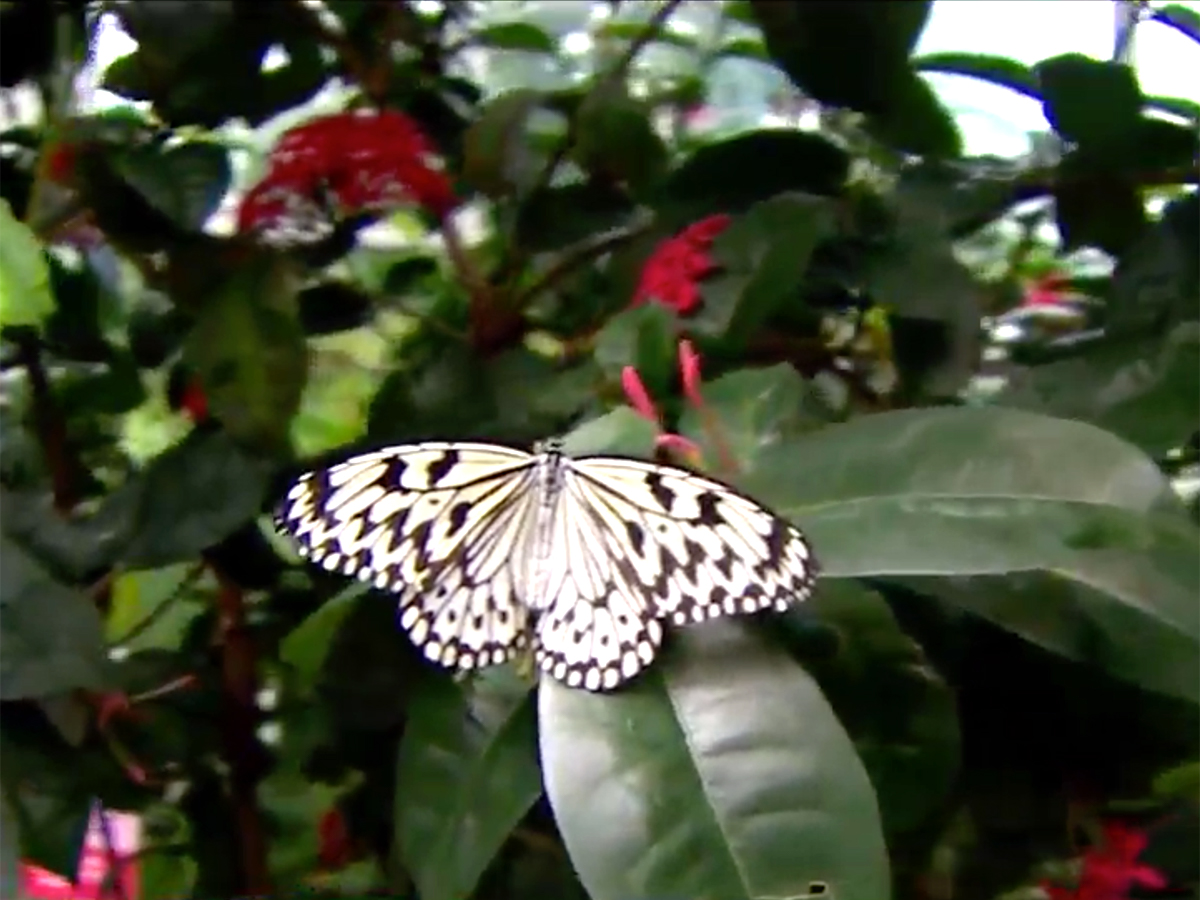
443 526
699 548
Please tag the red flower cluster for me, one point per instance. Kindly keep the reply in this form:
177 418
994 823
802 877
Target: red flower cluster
357 161
678 263
1048 290
1111 869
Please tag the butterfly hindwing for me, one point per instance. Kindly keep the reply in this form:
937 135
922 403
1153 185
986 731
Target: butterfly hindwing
598 628
443 526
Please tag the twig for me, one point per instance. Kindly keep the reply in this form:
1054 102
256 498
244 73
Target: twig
614 74
192 576
573 258
50 428
239 721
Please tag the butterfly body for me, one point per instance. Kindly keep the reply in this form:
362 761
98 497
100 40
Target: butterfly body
492 551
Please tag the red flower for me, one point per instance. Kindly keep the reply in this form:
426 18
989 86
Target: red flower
193 403
334 849
1111 869
1046 291
671 273
639 399
358 162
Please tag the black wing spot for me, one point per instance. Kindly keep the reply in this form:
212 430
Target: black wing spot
393 474
441 467
710 509
458 517
637 537
663 495
477 621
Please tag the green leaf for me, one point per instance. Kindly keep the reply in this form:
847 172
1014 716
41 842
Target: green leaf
916 121
755 409
899 711
553 218
1157 283
52 634
933 300
248 350
515 36
467 772
619 431
1097 208
615 140
723 772
25 297
1141 390
165 875
643 337
496 156
187 499
1176 106
998 70
43 784
1092 103
822 47
949 493
306 648
10 849
764 257
186 182
1182 18
149 609
732 175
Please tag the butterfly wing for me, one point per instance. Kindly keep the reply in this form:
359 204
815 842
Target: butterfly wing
444 526
645 542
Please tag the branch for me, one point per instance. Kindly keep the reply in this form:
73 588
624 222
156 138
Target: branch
616 73
577 256
242 752
49 426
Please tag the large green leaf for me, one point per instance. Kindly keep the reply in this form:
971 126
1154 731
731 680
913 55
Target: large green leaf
467 773
1144 390
52 634
897 708
968 492
248 349
763 256
722 773
25 297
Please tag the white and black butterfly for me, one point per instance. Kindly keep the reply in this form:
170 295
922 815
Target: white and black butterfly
493 551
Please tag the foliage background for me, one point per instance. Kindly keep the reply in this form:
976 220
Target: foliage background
1006 637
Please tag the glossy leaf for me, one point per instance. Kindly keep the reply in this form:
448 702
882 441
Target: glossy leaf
723 772
496 156
763 257
52 634
467 772
614 139
900 712
731 175
906 494
25 297
1089 102
753 409
822 48
514 36
247 347
999 70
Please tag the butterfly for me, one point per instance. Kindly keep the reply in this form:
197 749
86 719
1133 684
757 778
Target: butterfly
493 551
